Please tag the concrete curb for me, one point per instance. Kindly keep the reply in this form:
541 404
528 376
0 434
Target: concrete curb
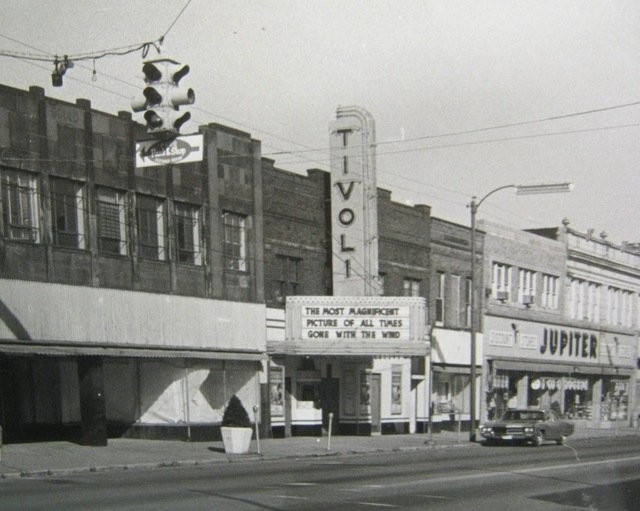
254 457
239 458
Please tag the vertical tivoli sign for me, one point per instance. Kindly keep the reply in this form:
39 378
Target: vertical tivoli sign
354 204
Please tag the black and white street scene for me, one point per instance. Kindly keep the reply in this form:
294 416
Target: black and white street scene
320 255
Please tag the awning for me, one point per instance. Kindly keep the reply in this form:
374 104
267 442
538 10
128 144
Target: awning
64 350
451 369
550 367
349 348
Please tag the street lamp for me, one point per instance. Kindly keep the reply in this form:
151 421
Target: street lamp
473 207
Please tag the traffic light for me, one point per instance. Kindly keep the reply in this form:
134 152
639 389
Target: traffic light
162 97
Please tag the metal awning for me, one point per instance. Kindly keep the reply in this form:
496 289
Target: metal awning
65 350
550 367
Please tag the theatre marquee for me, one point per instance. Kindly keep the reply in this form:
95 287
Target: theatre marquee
360 325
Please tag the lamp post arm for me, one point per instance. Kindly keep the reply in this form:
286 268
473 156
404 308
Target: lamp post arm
474 205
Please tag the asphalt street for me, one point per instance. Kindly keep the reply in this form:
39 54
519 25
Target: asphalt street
593 474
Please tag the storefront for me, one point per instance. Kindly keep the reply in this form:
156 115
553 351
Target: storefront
90 363
348 361
584 375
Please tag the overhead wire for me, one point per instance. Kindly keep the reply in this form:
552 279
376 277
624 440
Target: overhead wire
41 56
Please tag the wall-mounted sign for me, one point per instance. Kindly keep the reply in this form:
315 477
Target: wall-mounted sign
354 204
183 149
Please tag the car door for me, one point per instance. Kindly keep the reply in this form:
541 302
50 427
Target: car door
552 425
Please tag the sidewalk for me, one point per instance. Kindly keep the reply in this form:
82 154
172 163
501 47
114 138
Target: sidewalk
60 458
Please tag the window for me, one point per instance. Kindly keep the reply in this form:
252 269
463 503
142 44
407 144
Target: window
112 222
627 309
577 303
549 297
468 289
526 286
20 206
411 287
440 287
501 281
288 275
187 225
613 306
235 243
152 236
593 302
68 213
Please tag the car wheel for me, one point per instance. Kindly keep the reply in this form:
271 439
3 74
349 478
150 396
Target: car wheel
561 440
488 442
538 439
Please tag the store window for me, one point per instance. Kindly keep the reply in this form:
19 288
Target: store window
308 394
396 390
68 213
615 399
20 205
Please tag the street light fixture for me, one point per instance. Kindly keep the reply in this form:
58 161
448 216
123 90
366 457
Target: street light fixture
473 207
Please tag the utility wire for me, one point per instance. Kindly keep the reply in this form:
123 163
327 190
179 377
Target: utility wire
175 20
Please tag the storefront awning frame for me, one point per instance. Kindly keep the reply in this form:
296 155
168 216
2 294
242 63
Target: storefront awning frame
550 367
76 350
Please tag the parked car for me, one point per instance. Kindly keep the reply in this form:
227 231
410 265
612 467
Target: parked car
527 425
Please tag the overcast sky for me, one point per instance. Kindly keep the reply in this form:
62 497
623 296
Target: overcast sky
424 69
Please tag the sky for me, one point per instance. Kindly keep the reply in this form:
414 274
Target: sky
466 95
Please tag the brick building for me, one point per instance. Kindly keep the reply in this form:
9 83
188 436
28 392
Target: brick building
131 296
450 303
365 253
560 324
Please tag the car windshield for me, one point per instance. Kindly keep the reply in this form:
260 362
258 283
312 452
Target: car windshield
518 415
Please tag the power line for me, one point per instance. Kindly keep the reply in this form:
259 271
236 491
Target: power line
175 20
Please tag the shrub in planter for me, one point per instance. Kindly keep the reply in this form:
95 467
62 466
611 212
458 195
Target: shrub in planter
236 427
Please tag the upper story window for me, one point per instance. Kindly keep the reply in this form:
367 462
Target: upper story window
20 205
577 299
466 312
411 287
187 226
440 297
549 296
152 233
593 302
501 281
112 222
620 307
613 305
288 280
68 213
235 241
526 286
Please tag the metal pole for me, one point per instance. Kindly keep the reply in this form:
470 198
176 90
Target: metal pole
472 306
329 437
256 408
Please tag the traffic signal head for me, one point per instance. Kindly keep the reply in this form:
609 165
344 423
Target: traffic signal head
163 96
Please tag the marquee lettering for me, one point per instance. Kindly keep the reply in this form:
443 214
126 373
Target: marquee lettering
566 343
346 216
